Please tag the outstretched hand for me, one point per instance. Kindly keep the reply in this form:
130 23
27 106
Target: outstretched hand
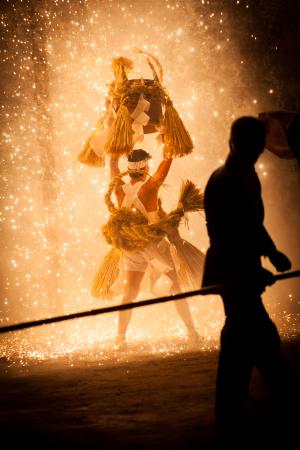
280 261
266 278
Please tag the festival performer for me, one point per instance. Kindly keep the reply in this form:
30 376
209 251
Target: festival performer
141 192
138 230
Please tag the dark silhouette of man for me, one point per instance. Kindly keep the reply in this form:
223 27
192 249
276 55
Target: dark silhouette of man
238 239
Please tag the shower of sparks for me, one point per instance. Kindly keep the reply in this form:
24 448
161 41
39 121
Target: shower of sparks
53 206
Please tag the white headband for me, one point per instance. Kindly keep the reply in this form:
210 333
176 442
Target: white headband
137 164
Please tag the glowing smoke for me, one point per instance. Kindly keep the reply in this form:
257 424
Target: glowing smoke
210 86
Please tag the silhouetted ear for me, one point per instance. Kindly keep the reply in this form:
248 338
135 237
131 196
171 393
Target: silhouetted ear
231 146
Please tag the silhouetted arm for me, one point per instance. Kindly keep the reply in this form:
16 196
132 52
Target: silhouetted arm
266 244
279 260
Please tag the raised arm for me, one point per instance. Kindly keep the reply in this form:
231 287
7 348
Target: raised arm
114 171
114 166
163 169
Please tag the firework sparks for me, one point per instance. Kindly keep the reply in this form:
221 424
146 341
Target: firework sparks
58 71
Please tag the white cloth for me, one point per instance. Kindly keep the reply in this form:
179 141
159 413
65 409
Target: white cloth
137 164
155 260
131 200
140 119
100 138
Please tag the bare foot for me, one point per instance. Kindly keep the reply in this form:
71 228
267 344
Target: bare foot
120 343
193 338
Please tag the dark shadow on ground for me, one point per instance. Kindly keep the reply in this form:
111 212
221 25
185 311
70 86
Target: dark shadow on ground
160 403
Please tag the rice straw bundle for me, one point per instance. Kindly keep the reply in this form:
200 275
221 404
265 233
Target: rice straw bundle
191 198
87 154
119 140
191 262
177 141
106 275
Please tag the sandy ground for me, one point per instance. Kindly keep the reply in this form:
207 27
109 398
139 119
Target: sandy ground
134 401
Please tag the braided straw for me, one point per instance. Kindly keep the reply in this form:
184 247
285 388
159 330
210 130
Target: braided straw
129 230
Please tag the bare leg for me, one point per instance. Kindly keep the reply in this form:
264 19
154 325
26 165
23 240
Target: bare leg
184 312
133 281
182 307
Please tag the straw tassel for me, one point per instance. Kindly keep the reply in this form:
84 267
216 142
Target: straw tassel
119 140
106 275
87 154
191 263
191 197
177 141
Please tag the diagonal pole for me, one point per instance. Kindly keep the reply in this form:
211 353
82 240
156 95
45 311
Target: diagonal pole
109 309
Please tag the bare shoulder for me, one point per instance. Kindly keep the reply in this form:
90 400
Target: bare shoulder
151 185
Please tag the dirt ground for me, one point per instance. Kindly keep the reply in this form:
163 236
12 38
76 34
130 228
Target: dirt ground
138 403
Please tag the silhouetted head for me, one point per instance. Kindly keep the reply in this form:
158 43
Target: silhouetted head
247 139
138 164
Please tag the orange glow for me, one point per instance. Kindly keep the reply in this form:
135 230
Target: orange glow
202 67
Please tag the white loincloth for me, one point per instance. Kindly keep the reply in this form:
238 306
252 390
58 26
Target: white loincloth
155 260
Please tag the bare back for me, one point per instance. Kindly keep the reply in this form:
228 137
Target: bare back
148 193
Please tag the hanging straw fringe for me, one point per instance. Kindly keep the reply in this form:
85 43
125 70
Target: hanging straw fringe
129 230
190 261
119 140
106 275
191 198
87 154
177 141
